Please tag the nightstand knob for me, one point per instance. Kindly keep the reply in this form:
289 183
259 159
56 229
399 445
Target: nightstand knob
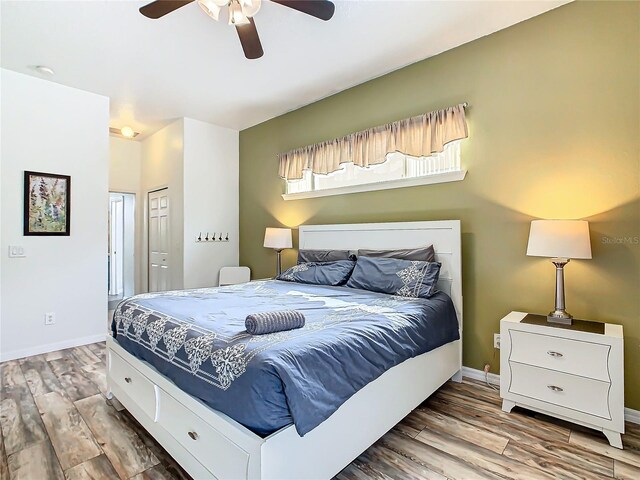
554 354
555 389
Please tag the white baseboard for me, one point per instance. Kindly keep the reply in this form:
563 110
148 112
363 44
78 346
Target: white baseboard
469 372
51 347
630 415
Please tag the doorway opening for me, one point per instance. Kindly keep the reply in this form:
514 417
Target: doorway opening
121 254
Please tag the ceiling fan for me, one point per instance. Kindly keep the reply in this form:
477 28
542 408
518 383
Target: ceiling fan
241 13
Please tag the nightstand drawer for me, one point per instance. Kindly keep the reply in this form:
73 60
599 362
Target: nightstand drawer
561 354
561 389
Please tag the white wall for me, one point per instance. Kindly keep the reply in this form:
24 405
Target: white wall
210 200
51 128
162 166
125 165
198 161
125 172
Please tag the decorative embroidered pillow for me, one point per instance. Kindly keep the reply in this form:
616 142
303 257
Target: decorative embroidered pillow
319 273
406 278
306 256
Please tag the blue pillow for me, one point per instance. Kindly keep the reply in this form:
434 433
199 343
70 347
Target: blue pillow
307 256
319 273
406 278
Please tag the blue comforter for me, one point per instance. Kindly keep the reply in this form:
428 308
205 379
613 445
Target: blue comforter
197 338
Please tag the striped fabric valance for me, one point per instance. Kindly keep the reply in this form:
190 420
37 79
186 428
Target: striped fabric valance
419 136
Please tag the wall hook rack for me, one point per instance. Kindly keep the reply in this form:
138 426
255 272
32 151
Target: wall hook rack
214 238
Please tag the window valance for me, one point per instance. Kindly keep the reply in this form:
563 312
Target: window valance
419 136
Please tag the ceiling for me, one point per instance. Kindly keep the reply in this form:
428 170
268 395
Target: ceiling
186 64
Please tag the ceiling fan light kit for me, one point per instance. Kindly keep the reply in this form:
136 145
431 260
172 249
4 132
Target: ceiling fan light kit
211 8
236 14
241 14
250 7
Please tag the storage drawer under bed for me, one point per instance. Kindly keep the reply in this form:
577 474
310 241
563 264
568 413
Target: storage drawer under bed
214 451
201 439
136 386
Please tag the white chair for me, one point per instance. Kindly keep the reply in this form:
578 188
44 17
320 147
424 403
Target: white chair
234 275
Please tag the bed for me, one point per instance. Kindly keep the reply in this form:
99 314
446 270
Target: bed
229 405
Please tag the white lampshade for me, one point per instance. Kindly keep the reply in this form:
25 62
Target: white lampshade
277 238
559 239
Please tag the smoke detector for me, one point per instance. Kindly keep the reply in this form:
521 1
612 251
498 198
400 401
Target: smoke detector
44 70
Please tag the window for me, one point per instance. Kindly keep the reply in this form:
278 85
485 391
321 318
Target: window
398 170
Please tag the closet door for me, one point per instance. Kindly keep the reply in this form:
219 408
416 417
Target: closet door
159 261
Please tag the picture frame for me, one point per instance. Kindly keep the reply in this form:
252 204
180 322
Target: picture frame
47 204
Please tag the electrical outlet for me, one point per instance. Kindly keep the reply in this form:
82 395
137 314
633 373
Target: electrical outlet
496 341
49 318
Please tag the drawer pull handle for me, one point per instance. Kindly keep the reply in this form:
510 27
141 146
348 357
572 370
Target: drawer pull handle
193 435
127 379
555 389
554 354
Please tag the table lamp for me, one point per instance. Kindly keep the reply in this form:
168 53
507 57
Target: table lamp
278 239
560 240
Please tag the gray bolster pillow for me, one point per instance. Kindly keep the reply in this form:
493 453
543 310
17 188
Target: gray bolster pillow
270 322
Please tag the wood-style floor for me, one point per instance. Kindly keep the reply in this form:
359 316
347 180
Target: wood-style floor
57 423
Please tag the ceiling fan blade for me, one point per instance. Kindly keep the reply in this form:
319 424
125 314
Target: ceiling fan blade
250 40
322 9
160 8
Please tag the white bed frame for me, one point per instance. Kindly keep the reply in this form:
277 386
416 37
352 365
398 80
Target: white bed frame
208 444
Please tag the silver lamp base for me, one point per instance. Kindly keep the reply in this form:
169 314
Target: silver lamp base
559 314
560 317
278 262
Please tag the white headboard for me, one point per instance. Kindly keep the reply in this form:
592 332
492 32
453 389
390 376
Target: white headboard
443 235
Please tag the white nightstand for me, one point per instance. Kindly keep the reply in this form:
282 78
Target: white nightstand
573 372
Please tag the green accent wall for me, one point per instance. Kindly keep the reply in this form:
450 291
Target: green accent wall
554 123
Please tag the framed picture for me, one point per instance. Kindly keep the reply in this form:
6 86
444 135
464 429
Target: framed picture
47 204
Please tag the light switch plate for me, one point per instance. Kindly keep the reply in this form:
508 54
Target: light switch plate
16 251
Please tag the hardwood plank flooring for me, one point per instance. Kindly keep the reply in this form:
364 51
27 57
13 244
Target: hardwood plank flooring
76 385
82 355
56 423
37 461
4 469
124 449
71 438
98 468
39 376
19 418
624 471
158 472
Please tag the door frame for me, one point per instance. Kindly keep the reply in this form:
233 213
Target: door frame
116 244
146 226
136 234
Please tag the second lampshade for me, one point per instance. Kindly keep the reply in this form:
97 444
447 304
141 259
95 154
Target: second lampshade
278 239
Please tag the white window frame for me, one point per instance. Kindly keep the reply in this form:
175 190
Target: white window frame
450 173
